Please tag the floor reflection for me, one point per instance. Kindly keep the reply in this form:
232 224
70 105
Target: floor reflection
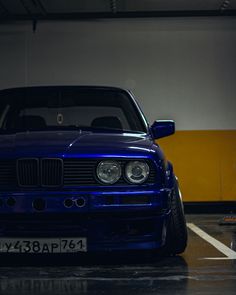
96 274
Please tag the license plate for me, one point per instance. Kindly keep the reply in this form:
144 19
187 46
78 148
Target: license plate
43 245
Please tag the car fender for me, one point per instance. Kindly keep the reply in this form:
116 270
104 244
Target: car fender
170 176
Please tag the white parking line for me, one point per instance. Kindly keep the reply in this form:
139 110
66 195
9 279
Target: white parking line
229 253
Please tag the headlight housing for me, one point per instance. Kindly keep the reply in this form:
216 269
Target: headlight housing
108 172
137 172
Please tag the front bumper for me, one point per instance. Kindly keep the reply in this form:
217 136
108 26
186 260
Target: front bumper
109 221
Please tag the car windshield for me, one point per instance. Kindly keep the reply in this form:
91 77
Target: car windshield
35 109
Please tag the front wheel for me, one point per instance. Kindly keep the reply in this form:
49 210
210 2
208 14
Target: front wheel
176 235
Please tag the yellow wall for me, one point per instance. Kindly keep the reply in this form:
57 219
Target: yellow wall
204 162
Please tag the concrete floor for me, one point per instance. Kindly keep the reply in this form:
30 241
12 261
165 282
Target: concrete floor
137 273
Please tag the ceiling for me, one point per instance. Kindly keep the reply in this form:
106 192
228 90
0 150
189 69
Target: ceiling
76 9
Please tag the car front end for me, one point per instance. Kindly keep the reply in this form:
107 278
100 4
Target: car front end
68 188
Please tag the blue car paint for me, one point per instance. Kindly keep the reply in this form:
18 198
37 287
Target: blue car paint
96 220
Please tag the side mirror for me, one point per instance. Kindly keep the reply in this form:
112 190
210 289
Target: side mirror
162 128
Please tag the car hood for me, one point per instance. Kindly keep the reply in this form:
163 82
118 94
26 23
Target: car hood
73 143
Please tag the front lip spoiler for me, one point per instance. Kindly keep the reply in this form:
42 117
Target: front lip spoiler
104 232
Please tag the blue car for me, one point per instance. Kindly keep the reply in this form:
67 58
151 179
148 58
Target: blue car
80 171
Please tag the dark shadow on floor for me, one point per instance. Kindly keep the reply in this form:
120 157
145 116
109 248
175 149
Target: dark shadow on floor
138 272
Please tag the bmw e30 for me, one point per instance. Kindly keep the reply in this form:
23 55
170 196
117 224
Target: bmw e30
80 170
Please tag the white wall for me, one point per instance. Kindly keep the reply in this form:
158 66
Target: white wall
178 68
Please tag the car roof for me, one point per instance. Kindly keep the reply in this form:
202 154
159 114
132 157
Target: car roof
65 87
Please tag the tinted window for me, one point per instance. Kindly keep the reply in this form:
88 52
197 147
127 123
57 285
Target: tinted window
50 108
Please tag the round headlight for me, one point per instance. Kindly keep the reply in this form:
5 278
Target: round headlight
108 172
137 172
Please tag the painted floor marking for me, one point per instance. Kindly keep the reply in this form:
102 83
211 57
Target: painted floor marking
217 244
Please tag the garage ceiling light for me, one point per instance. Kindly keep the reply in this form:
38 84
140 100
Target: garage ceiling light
225 5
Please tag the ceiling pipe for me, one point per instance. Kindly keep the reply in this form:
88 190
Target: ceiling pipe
39 4
35 17
118 14
113 6
31 15
26 7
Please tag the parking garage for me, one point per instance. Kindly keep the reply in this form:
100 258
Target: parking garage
178 59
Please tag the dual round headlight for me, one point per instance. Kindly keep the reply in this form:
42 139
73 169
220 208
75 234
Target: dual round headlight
108 172
135 172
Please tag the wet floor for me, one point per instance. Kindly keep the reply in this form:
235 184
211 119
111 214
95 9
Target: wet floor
202 269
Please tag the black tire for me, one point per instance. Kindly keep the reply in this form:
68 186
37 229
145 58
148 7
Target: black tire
177 234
